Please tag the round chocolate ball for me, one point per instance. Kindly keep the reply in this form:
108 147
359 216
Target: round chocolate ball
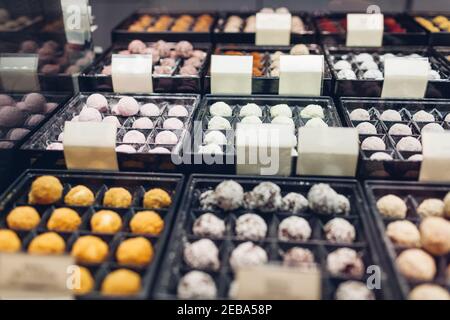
35 103
11 117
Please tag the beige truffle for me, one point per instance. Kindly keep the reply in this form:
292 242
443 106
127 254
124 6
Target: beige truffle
118 198
45 190
47 243
431 208
23 218
416 264
429 292
447 205
64 220
392 206
121 282
79 196
404 233
435 235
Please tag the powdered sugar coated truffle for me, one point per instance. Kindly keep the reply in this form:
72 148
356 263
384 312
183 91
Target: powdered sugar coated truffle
345 261
294 202
280 110
178 111
250 226
312 111
373 143
342 65
127 107
208 225
324 200
266 197
229 195
219 123
390 115
250 109
202 254
173 124
113 120
125 148
215 137
354 290
423 116
339 230
294 229
380 156
221 109
196 285
247 254
432 127
316 123
400 129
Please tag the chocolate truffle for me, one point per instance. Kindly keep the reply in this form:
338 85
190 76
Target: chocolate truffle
345 261
196 285
280 110
229 195
97 101
435 235
294 229
409 144
354 290
298 257
380 156
250 109
423 116
400 129
429 292
294 203
149 110
202 254
48 243
431 208
373 143
391 206
178 111
403 233
9 241
324 200
147 222
339 230
219 123
220 109
121 282
416 264
215 137
366 128
250 226
64 220
247 254
208 225
166 137
17 134
45 190
117 197
11 117
106 221
360 115
432 127
34 103
86 282
127 107
265 197
89 249
135 251
390 115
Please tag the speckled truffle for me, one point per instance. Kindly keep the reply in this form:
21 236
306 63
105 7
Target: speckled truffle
247 254
339 230
196 285
229 195
294 203
345 261
250 226
266 197
208 225
294 229
298 257
324 200
392 206
207 200
354 290
373 143
202 254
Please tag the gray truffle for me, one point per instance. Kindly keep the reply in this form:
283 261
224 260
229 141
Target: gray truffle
294 202
11 117
266 197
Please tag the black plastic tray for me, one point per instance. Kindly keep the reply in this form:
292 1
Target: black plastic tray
120 33
37 144
443 54
435 38
399 167
136 183
268 84
173 266
412 194
373 88
309 36
93 80
226 163
414 35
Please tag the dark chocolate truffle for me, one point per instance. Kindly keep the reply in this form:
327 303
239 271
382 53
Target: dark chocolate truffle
17 133
6 100
11 117
34 103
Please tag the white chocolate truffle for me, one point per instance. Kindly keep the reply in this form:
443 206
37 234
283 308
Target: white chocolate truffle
432 127
196 285
283 120
250 226
339 230
220 109
215 137
134 136
247 254
390 115
316 123
229 195
251 120
89 115
211 148
434 75
423 116
386 56
416 157
392 206
178 111
403 233
294 203
299 49
202 254
369 65
428 291
346 74
125 148
416 265
345 261
380 156
342 65
400 129
366 128
373 143
431 208
373 74
280 110
166 137
127 107
312 111
171 124
447 117
97 101
363 57
143 123
113 120
294 228
219 123
149 110
409 144
250 109
354 290
209 226
360 114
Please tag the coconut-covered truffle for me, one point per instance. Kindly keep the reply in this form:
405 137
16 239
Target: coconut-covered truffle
294 203
339 230
409 144
298 257
391 115
250 226
423 116
294 229
196 285
392 206
416 264
400 129
354 290
435 235
345 261
324 200
202 254
312 111
366 128
265 197
431 208
208 225
429 291
373 143
403 233
247 254
359 114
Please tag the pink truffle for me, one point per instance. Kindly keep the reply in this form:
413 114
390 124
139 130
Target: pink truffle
173 124
97 101
188 71
107 70
162 70
112 119
199 54
127 107
178 111
184 49
166 137
49 107
125 148
134 136
136 46
168 62
90 115
154 52
195 62
163 48
55 146
150 110
143 123
159 150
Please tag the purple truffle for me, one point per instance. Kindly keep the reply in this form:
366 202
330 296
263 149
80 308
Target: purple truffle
34 103
11 117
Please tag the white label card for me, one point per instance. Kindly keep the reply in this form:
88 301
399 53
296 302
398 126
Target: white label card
18 72
365 29
77 21
231 75
405 77
327 151
132 73
25 276
301 75
273 29
274 282
436 157
264 149
90 145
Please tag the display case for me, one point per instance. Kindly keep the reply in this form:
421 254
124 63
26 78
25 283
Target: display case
437 26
